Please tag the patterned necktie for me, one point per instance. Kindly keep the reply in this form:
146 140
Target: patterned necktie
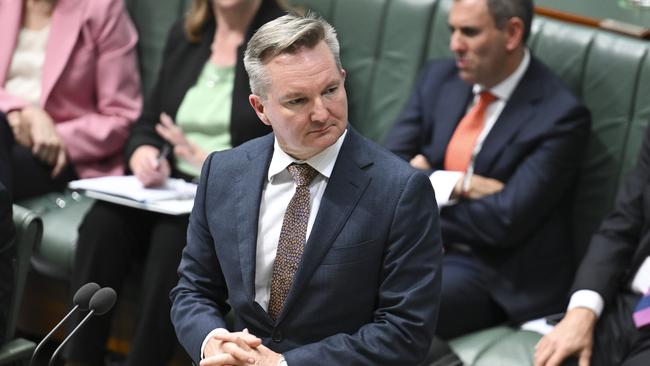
292 238
642 311
461 146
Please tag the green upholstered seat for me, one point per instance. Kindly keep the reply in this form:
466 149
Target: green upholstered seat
502 345
61 214
29 230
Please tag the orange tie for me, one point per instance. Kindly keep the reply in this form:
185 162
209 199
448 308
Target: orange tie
461 146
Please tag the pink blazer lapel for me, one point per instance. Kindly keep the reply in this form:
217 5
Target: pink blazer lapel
64 31
10 21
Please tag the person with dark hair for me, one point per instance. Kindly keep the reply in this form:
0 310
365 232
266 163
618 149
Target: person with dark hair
608 317
501 138
70 88
323 246
198 105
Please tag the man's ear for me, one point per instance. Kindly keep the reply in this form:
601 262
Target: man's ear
514 33
258 106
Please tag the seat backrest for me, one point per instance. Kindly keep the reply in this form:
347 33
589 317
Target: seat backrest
29 231
382 49
385 42
152 19
611 74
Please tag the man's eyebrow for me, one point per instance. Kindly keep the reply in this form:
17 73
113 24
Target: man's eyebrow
292 95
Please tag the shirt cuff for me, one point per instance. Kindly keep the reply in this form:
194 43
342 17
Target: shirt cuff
282 362
641 281
207 338
587 299
443 182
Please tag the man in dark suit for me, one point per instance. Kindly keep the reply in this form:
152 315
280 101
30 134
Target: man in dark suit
341 267
502 173
602 326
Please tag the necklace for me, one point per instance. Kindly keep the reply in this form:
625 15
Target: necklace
214 75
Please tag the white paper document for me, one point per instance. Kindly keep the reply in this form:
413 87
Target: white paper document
175 197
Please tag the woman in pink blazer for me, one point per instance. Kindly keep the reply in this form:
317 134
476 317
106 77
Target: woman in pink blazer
69 89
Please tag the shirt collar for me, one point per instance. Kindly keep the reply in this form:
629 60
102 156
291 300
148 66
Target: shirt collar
504 89
323 162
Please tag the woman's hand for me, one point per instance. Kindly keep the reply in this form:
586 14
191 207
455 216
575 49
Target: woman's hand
147 167
47 144
20 128
183 148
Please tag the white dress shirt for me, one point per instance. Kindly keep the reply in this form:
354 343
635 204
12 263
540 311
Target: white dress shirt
278 190
277 193
594 301
444 181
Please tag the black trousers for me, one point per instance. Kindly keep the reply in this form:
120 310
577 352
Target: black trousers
23 173
7 263
465 303
114 242
617 341
7 248
6 144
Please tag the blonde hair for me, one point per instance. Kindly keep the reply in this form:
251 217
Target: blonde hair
199 15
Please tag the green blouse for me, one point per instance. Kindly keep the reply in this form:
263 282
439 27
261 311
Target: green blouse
204 114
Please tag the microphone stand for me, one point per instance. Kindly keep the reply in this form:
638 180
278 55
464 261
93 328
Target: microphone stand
40 345
60 347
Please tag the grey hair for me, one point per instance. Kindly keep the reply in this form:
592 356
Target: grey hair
504 10
286 34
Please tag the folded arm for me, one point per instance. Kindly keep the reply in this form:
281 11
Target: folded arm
539 183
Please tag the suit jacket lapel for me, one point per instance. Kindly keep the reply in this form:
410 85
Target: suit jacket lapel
450 109
515 114
249 192
10 23
344 189
64 31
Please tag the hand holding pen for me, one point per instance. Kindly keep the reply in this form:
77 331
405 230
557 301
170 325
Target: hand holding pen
150 165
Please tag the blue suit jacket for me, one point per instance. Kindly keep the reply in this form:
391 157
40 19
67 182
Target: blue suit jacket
535 148
366 292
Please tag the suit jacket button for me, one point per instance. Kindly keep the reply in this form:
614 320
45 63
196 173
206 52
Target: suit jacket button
276 336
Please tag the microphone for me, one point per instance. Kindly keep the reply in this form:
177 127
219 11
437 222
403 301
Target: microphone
101 302
80 300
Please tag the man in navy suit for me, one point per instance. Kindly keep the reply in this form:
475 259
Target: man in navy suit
353 276
505 216
599 326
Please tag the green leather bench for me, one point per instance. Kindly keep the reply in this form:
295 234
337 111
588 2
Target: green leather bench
383 45
29 230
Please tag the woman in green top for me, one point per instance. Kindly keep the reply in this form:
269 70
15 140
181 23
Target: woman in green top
199 104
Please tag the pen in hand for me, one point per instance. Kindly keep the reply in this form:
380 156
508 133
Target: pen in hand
164 152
